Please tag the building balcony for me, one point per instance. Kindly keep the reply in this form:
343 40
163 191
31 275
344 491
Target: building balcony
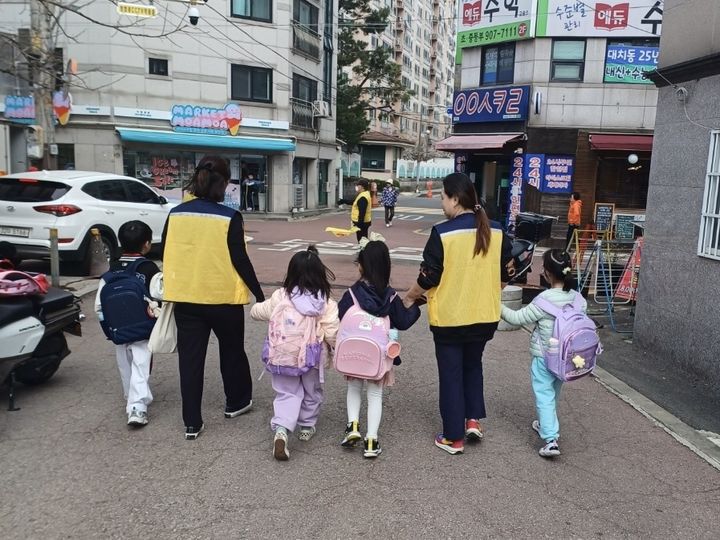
302 113
306 41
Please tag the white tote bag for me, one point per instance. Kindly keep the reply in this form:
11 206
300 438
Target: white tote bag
163 338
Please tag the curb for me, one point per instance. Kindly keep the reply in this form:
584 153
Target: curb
676 428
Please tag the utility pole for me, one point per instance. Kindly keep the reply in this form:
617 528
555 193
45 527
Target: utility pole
42 69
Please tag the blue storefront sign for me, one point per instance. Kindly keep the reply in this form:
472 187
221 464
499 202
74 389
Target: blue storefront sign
20 109
534 167
515 198
558 172
628 65
491 104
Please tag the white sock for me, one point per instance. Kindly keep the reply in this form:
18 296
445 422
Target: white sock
354 399
374 412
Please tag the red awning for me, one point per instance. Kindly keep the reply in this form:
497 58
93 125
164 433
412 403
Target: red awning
617 141
476 142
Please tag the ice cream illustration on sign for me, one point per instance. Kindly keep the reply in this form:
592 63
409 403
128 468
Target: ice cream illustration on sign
62 103
233 116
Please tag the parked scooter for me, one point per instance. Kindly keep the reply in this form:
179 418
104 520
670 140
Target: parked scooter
530 229
32 336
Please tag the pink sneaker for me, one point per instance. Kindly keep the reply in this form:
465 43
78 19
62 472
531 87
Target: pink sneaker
473 430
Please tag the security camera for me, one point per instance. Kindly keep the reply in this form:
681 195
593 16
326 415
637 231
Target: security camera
193 15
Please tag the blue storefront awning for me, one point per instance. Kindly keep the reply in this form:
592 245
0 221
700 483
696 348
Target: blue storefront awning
211 141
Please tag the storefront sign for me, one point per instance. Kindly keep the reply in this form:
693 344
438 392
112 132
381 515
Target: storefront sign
515 200
141 113
628 64
265 124
612 18
481 22
20 109
491 104
534 167
90 110
206 120
136 10
558 174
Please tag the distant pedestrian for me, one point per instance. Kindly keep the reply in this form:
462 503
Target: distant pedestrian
574 217
377 300
461 272
208 274
361 213
557 269
388 198
127 316
303 324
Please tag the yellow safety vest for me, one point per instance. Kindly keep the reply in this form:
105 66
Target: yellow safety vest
355 214
196 264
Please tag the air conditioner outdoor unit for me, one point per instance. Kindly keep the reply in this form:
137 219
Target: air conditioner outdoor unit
321 109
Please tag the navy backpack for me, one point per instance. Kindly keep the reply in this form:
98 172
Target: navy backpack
124 308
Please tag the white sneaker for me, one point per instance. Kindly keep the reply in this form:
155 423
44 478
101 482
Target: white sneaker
550 450
137 418
280 445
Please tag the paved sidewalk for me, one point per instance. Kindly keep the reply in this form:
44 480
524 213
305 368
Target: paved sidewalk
72 468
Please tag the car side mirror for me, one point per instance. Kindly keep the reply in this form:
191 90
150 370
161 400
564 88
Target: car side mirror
162 200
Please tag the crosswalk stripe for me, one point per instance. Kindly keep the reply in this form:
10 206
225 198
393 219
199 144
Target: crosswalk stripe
411 210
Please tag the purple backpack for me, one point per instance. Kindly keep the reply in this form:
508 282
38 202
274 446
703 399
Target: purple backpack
578 343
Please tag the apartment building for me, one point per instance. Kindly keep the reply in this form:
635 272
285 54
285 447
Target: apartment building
421 36
551 98
254 81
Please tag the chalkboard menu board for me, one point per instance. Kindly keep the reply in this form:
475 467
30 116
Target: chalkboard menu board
624 226
604 216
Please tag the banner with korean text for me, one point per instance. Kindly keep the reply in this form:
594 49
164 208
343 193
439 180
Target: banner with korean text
592 18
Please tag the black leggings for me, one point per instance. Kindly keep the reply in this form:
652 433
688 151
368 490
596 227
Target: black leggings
364 227
389 214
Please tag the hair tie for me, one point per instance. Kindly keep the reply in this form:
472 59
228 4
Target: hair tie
566 270
374 237
207 166
477 208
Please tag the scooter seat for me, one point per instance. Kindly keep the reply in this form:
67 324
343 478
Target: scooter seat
15 309
53 300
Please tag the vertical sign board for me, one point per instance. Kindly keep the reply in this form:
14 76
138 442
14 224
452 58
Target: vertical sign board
604 216
624 226
534 168
515 200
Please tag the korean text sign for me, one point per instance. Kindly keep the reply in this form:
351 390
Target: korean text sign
534 167
515 200
491 104
628 64
481 22
558 174
592 18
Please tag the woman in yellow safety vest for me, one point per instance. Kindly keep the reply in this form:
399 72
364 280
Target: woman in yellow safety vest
461 273
209 276
361 214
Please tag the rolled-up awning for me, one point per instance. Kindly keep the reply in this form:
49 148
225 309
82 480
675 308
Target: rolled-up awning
621 141
477 142
276 144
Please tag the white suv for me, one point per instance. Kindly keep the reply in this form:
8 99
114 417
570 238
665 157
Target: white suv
74 202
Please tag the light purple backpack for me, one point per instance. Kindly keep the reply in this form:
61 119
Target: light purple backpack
578 341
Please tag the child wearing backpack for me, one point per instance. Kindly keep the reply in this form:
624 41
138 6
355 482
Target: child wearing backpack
127 317
371 313
303 321
558 354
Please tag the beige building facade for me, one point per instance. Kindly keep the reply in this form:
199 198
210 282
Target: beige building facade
254 81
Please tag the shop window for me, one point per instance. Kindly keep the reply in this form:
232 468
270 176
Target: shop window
259 10
251 83
709 240
498 64
165 171
373 157
623 184
158 66
568 60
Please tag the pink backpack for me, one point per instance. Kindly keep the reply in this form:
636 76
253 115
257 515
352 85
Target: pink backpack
578 341
291 346
17 283
364 349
